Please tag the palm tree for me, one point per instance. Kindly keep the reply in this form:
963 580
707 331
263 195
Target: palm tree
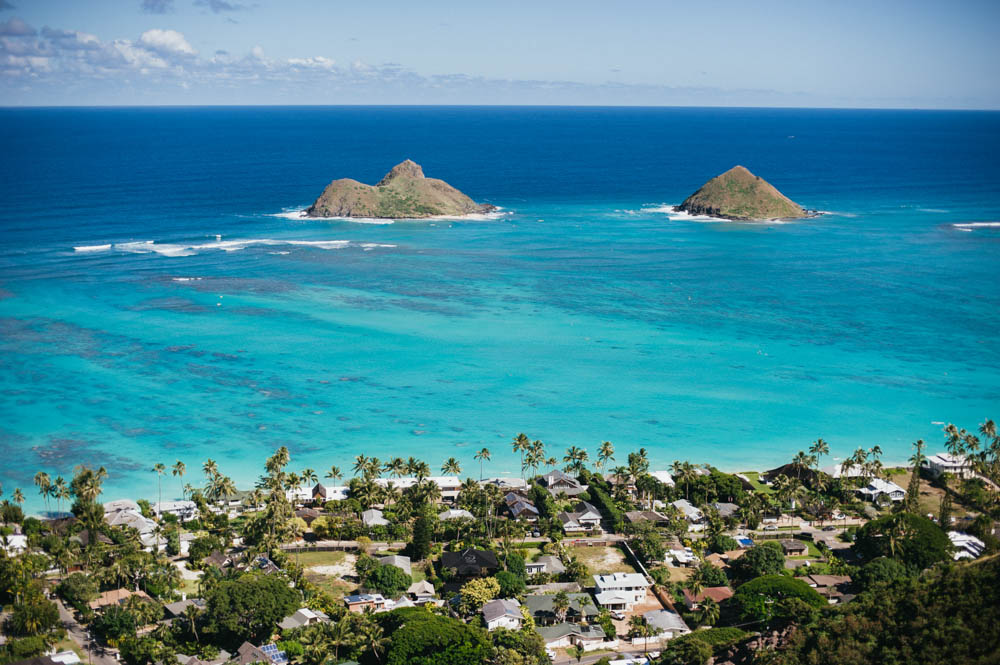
483 456
708 613
583 602
913 491
60 491
451 467
819 448
44 483
361 463
191 613
396 467
520 445
605 454
177 471
334 473
210 468
560 605
18 496
308 475
684 472
576 459
159 469
535 457
800 461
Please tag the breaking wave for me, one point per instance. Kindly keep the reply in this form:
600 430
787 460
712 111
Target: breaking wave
180 249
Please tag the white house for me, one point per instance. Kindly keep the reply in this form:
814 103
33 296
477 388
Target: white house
956 465
669 623
688 509
448 485
303 617
882 490
561 635
324 493
966 546
844 470
14 543
664 477
373 517
456 514
620 591
184 510
545 564
502 613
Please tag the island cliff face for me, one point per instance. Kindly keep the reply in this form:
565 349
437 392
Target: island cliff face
404 193
738 194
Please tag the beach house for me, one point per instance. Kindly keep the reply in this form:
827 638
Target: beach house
955 465
620 591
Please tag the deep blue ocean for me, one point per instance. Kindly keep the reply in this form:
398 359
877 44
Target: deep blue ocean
587 312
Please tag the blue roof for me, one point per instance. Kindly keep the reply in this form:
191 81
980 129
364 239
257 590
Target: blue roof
275 656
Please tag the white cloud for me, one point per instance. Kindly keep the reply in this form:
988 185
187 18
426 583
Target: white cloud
167 42
317 62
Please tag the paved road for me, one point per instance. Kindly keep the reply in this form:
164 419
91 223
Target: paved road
79 634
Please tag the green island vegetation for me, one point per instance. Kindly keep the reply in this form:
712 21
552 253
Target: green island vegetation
576 559
404 192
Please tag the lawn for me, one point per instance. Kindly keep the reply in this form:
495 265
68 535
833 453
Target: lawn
309 559
758 486
67 644
600 560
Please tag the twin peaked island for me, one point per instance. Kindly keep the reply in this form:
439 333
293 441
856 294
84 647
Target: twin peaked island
405 193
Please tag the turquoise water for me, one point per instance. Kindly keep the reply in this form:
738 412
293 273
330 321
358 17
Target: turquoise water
585 312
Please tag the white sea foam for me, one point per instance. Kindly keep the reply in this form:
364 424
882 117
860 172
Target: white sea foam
977 225
175 250
186 279
92 248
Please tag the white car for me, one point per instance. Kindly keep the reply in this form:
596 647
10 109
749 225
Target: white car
617 614
770 527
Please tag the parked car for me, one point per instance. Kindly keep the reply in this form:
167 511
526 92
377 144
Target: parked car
770 527
829 528
617 614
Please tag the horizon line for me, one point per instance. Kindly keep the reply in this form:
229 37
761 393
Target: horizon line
508 106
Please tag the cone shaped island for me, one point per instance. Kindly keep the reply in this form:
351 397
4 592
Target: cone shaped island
739 195
404 193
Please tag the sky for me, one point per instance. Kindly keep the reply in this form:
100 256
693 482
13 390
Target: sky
782 53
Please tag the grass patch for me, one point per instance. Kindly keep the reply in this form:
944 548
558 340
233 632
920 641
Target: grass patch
600 560
67 644
308 559
758 486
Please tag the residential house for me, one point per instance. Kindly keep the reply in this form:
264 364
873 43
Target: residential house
541 607
299 495
562 635
844 470
176 609
558 482
793 547
649 516
184 510
664 477
303 617
955 465
222 657
323 493
832 587
14 544
690 512
115 597
308 515
966 546
506 483
670 624
520 507
682 556
502 613
449 486
60 658
545 564
398 560
456 514
364 601
373 517
620 591
716 593
422 592
725 509
584 517
218 559
268 654
879 490
470 563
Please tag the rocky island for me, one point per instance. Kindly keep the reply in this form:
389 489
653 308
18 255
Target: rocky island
404 193
739 195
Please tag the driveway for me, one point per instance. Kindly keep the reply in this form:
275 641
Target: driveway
79 634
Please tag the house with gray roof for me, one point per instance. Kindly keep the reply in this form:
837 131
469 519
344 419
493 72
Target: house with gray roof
545 564
401 562
543 612
570 634
502 613
373 517
669 623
